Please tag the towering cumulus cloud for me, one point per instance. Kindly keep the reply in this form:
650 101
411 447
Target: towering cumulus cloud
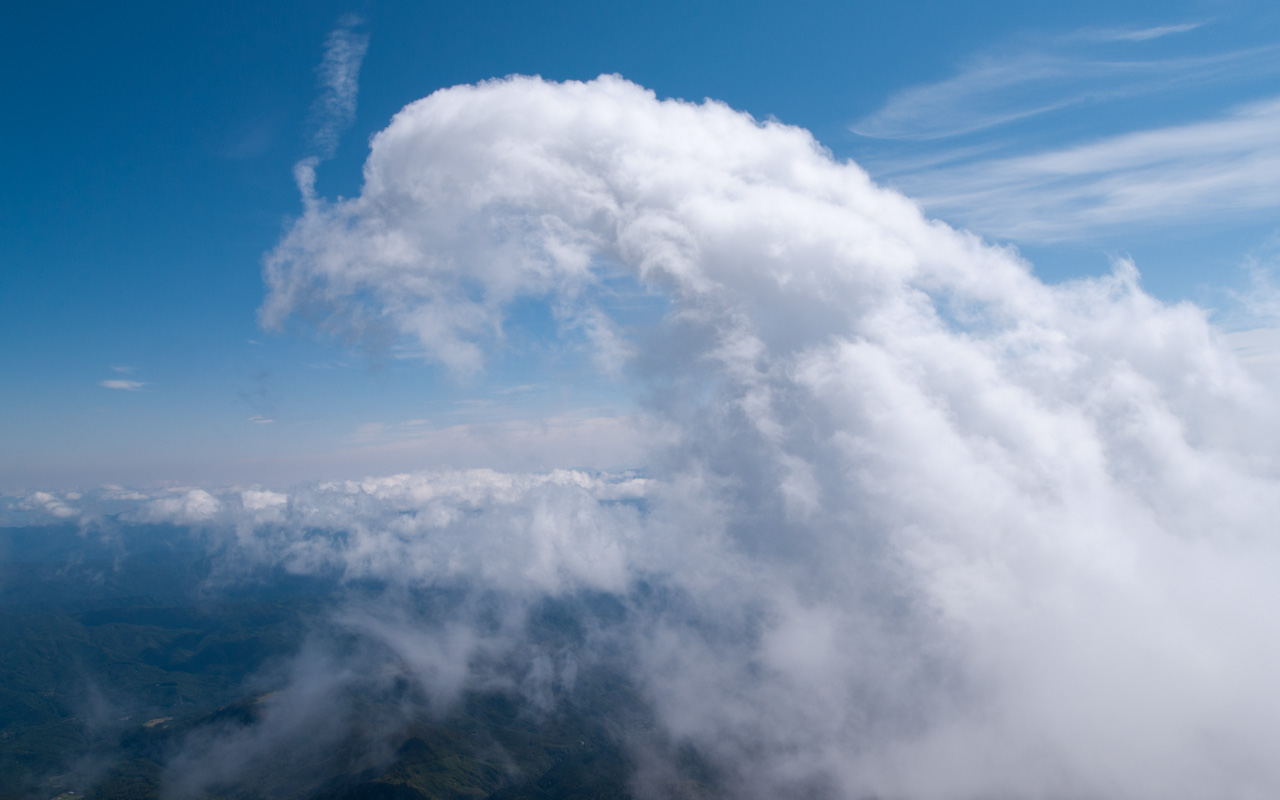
925 526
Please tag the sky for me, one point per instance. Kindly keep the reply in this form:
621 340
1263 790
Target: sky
908 375
148 170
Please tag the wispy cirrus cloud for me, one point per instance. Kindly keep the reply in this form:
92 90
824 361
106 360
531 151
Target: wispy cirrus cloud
123 385
339 71
335 109
1139 34
945 143
1207 171
1026 80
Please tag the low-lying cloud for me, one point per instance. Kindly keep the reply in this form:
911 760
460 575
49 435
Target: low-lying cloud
927 527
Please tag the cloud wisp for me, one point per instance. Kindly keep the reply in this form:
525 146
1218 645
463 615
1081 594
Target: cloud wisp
1027 80
123 385
335 109
1218 165
1211 171
922 526
1140 34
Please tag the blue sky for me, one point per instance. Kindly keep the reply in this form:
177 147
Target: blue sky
148 154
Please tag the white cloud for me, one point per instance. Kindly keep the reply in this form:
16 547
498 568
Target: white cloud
1037 188
339 71
1140 34
183 506
1211 171
975 99
259 499
1028 79
1258 348
49 503
258 419
926 527
335 109
128 386
542 533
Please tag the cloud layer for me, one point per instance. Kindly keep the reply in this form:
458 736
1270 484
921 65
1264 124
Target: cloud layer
925 526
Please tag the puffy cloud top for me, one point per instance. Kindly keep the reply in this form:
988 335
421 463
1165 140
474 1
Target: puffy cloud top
480 195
